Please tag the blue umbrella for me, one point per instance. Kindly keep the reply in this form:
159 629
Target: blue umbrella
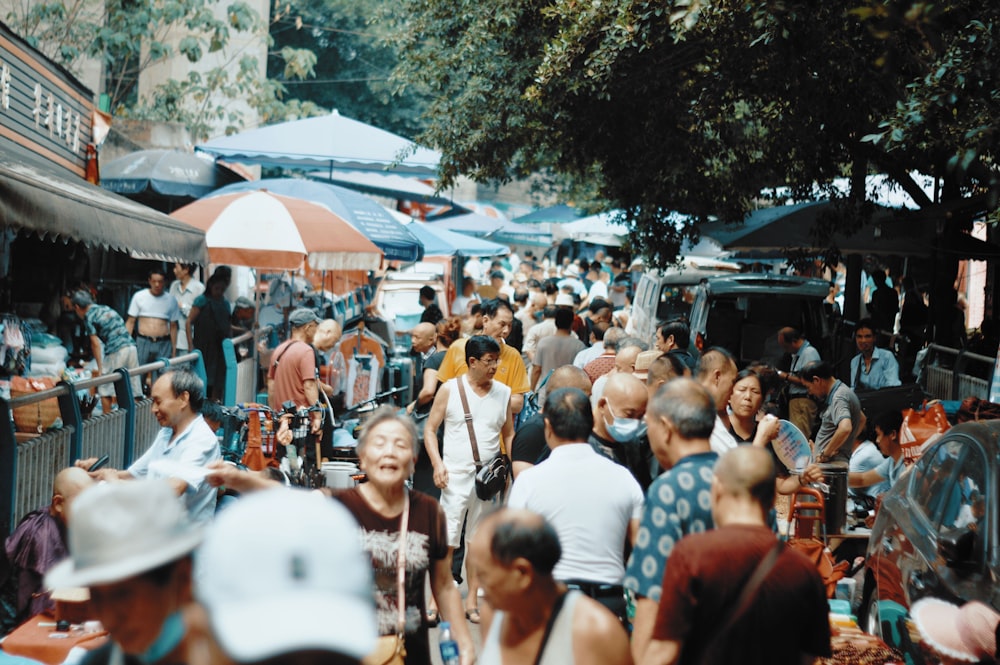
358 210
442 242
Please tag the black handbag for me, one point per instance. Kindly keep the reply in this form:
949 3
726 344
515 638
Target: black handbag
491 477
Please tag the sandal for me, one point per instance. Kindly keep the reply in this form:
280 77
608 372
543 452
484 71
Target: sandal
472 615
433 618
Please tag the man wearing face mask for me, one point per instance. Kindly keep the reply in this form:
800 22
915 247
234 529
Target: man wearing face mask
593 527
131 544
619 433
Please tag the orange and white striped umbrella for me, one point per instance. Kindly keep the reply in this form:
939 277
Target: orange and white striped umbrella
275 232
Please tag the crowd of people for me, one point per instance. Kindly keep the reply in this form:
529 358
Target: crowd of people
639 526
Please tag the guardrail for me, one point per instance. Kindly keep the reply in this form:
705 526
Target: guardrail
30 462
954 374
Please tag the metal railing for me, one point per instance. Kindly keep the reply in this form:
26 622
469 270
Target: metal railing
30 462
954 374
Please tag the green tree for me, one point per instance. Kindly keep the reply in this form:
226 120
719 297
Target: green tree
356 54
699 107
127 36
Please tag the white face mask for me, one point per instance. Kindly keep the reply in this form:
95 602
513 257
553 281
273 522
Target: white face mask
623 430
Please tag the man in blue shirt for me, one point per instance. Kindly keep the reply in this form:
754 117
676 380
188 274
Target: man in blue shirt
887 426
680 419
872 368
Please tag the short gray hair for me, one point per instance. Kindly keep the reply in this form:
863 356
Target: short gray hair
383 414
82 298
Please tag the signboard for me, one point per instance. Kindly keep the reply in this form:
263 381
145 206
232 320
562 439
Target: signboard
42 106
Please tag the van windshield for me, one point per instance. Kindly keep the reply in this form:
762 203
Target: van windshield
675 301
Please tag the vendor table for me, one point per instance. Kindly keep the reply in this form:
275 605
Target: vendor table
43 643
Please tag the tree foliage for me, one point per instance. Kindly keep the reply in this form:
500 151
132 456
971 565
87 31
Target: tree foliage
356 54
699 107
128 36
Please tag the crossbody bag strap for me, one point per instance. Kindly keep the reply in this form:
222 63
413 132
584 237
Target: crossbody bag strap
742 604
556 608
468 421
284 351
401 569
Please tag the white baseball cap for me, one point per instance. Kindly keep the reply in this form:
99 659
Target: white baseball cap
565 300
282 571
120 530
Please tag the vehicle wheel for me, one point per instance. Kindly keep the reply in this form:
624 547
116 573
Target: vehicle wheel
871 623
868 619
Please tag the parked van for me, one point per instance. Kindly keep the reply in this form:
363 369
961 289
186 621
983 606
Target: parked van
397 298
744 312
662 296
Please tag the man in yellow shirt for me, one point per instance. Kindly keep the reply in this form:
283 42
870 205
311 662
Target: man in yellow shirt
497 318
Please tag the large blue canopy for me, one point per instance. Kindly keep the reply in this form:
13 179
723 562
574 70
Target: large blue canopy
358 210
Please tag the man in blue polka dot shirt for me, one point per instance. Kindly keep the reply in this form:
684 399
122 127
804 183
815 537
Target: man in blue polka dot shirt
680 418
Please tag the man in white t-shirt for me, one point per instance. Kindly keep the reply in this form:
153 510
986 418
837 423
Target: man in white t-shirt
153 318
455 471
593 527
185 288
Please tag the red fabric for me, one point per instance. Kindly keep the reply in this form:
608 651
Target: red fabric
599 366
703 579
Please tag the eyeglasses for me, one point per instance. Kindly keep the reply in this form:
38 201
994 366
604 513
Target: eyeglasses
489 362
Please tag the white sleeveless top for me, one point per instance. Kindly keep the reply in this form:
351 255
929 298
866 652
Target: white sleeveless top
557 650
489 413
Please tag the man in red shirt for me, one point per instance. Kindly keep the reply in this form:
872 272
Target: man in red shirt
704 616
292 374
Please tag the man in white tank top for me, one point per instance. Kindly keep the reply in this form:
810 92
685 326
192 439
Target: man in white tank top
455 472
538 620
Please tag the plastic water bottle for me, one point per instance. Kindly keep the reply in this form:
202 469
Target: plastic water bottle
449 647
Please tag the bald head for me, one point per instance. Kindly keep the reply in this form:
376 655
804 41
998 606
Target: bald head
67 485
624 397
423 336
569 376
717 372
625 359
745 475
624 386
328 333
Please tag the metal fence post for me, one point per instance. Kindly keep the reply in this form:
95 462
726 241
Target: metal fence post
69 411
8 468
126 401
232 372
